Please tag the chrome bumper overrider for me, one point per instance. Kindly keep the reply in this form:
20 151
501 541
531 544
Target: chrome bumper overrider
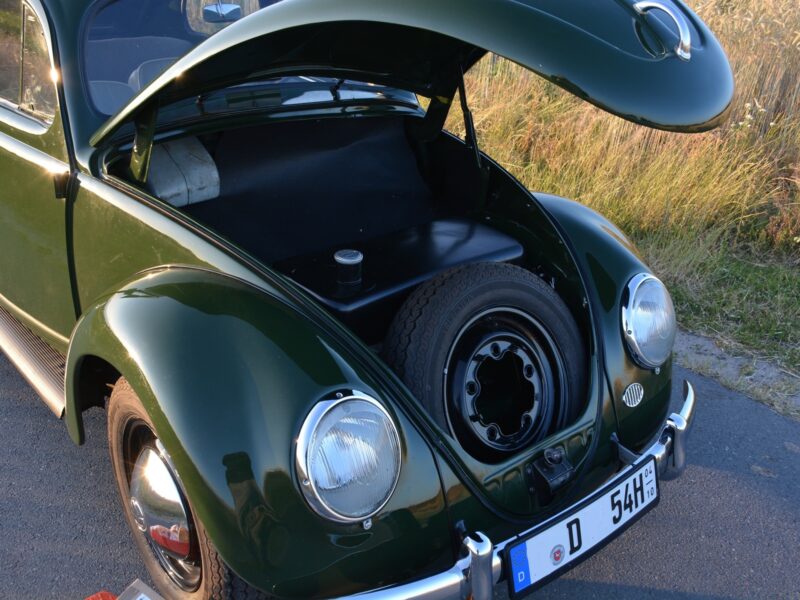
474 576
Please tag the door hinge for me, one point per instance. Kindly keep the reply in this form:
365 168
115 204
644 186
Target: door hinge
145 126
61 184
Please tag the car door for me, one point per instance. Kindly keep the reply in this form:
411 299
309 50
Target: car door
34 268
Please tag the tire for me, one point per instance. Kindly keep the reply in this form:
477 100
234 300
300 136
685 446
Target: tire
130 431
493 354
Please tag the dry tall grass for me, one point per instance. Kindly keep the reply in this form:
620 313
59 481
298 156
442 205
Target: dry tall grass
717 214
740 182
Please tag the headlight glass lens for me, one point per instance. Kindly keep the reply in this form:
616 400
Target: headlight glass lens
351 458
648 319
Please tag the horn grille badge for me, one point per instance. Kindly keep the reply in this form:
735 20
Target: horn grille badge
633 395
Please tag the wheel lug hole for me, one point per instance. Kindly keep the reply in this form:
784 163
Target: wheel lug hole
495 349
528 371
491 433
472 388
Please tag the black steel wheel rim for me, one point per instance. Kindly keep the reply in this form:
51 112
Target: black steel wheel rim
504 383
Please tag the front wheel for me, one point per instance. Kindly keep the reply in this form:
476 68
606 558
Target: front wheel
180 558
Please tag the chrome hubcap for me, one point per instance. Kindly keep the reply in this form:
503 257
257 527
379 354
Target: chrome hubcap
162 516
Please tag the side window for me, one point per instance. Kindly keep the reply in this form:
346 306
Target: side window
10 44
38 87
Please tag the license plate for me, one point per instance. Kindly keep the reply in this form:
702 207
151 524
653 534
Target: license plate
544 554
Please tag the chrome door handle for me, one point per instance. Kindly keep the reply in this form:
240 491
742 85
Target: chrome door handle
684 47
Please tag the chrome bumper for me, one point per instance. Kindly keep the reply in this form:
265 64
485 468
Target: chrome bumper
474 576
670 449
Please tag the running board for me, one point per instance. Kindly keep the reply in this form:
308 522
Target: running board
40 364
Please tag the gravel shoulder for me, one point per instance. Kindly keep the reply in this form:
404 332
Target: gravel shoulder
761 379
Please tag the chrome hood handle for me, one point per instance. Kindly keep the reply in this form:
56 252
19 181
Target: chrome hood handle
684 46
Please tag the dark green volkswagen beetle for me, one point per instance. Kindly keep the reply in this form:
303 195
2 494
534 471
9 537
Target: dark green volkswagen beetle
343 352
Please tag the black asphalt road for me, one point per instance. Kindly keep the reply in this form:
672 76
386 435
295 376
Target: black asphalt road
729 528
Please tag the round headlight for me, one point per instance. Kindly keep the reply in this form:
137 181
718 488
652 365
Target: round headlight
348 457
648 321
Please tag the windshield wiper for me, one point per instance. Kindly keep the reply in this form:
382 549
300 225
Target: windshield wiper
335 90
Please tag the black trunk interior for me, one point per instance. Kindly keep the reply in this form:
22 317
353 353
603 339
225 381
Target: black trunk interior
293 193
304 186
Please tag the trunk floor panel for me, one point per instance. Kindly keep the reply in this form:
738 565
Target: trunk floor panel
393 265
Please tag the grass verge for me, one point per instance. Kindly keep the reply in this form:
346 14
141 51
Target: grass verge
717 214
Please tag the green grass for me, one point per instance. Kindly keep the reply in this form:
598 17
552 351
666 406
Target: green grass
717 214
746 304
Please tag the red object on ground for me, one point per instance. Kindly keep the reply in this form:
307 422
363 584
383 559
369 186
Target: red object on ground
175 538
102 596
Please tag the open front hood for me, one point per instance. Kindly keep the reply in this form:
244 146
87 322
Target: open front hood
652 62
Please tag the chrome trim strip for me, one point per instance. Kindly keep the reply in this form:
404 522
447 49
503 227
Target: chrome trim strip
32 155
449 585
684 46
469 576
13 117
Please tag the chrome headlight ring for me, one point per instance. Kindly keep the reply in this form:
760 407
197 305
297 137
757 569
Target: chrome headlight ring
629 325
306 441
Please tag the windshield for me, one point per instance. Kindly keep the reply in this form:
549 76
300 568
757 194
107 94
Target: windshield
130 42
286 94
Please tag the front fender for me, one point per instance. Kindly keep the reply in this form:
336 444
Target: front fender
228 372
610 259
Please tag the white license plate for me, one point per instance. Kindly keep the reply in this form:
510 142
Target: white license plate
544 554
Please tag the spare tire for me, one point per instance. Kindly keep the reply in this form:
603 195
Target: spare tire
493 354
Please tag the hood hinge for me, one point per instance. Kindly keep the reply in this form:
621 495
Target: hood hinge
145 126
471 139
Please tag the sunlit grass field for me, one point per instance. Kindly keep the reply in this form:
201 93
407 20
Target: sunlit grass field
717 214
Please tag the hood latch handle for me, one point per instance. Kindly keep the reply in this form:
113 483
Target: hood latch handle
684 47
